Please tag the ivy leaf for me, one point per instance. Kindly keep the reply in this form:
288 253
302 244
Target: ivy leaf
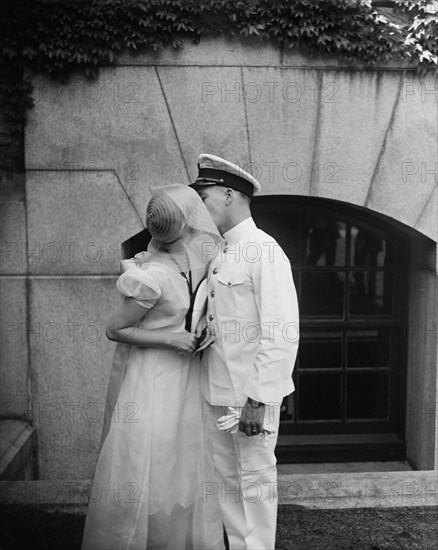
9 52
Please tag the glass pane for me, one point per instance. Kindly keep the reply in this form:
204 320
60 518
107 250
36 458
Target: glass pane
322 293
367 395
371 293
324 238
320 349
320 396
369 249
368 348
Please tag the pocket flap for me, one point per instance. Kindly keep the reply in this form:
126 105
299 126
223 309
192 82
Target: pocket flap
231 279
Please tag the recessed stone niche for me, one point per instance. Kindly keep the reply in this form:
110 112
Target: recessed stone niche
137 243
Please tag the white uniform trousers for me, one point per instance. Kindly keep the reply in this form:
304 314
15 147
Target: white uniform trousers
247 482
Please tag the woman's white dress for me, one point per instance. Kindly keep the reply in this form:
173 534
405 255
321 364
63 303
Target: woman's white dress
154 485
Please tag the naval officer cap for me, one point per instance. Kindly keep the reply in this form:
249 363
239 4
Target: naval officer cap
214 170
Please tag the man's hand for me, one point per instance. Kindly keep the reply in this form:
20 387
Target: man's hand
251 420
205 338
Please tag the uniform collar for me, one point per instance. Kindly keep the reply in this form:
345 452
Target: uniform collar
240 231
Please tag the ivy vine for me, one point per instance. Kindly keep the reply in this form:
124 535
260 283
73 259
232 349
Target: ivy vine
58 38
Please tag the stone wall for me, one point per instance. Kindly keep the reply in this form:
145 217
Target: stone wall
421 387
94 149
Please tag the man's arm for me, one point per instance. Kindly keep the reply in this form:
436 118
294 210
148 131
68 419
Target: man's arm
275 295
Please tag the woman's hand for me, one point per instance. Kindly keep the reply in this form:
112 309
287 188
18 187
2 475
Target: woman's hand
184 343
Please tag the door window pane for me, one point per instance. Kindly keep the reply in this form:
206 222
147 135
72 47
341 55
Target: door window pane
322 293
320 349
368 348
325 240
367 395
320 396
368 249
371 293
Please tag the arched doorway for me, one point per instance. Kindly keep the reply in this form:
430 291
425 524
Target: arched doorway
350 271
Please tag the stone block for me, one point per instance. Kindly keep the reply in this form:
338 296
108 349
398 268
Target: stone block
13 259
71 362
427 223
354 113
12 186
358 490
345 490
208 111
76 225
17 450
118 122
282 117
407 172
12 224
13 349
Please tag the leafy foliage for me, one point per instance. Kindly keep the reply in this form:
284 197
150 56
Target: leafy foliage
60 37
421 35
56 37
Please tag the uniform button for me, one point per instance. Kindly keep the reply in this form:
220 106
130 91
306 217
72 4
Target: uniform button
215 270
211 317
229 283
212 293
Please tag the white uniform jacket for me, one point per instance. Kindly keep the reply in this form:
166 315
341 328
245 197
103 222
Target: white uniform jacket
252 305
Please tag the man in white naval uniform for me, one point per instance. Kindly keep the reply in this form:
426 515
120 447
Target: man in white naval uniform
252 306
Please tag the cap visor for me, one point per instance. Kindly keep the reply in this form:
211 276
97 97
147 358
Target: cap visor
197 184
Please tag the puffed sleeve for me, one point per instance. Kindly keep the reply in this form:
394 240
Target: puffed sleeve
139 284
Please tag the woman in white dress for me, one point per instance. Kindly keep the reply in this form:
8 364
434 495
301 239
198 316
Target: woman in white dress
154 482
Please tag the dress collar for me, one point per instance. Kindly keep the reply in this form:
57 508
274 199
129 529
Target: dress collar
239 231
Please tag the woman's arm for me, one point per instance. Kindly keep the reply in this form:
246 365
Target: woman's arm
121 328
